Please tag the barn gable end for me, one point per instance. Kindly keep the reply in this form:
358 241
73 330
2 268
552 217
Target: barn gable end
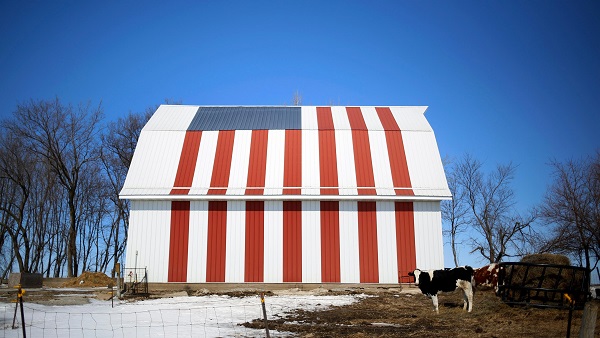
285 194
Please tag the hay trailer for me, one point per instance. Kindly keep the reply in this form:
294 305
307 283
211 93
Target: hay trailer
544 286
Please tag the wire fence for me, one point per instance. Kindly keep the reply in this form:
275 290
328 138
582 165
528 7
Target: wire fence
170 318
209 321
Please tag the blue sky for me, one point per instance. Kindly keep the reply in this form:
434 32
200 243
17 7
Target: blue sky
504 80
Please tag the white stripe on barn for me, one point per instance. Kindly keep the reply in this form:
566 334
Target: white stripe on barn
240 158
205 162
275 164
198 242
349 255
387 255
382 172
345 162
273 269
311 242
236 242
311 175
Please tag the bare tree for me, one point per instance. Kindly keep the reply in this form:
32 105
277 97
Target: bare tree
118 144
490 199
572 205
17 178
64 137
454 212
92 200
297 99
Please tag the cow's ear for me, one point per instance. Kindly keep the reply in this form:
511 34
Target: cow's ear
412 273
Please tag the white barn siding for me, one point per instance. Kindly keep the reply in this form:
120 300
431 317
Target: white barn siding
275 166
386 243
236 242
148 240
345 162
273 272
311 175
198 241
204 167
309 118
382 173
171 118
424 170
238 176
411 118
349 258
311 242
428 235
154 157
150 224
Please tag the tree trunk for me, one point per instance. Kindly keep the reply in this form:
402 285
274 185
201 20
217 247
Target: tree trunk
454 253
116 251
72 240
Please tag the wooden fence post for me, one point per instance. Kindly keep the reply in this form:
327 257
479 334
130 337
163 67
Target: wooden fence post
262 300
19 303
588 319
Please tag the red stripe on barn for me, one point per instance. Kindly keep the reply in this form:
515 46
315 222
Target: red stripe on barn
254 257
179 238
292 172
355 117
292 241
257 165
222 165
216 241
327 152
367 242
324 118
396 154
362 152
405 238
187 163
330 242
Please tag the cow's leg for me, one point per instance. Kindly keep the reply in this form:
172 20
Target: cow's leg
468 294
434 299
467 289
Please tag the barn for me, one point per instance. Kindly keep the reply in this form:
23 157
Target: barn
285 194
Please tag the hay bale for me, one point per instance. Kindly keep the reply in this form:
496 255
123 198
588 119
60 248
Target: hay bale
90 279
546 258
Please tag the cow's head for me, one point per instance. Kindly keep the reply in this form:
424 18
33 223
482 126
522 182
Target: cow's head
416 273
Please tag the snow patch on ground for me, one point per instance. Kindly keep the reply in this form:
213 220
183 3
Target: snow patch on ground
203 316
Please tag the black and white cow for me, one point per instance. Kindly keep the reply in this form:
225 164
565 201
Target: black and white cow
447 280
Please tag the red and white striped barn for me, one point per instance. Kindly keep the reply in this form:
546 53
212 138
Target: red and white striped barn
282 194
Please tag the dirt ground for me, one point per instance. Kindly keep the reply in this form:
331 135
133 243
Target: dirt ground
411 315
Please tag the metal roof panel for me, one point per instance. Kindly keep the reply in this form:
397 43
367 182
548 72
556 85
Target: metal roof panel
246 118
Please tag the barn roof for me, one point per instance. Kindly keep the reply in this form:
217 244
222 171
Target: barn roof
286 152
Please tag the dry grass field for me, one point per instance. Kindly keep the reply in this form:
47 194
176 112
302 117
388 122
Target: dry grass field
411 315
